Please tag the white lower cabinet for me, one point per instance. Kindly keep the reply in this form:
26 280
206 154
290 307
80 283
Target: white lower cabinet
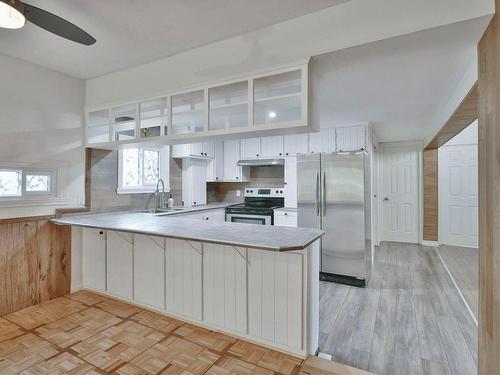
212 215
149 270
183 270
119 264
285 218
215 215
94 259
275 297
224 287
252 293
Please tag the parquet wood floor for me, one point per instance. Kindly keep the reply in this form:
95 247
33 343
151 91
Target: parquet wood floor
89 334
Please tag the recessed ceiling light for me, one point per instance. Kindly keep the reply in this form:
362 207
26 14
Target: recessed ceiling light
11 14
272 114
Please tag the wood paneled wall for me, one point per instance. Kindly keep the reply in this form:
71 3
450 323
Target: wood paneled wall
431 198
489 198
35 262
466 113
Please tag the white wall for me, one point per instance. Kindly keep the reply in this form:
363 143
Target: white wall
41 122
458 189
349 24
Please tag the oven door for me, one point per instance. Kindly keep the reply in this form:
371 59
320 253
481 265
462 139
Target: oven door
249 219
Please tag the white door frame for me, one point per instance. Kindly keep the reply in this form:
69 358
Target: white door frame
418 145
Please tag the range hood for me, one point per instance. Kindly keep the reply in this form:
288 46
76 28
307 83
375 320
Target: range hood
261 162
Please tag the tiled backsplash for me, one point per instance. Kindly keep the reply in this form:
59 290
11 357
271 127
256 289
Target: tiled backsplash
259 176
104 181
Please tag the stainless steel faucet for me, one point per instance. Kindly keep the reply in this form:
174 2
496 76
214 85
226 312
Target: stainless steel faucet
160 198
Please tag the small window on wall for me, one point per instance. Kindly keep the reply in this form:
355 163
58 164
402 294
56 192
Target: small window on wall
139 169
18 183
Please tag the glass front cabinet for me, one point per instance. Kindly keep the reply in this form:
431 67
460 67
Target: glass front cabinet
276 100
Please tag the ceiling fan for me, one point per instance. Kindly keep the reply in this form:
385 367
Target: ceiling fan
14 14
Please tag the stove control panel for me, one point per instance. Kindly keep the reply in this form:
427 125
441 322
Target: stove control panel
269 192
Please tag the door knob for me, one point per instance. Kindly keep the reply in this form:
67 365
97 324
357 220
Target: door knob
386 199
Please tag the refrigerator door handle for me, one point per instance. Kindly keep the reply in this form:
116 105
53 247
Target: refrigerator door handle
324 193
317 194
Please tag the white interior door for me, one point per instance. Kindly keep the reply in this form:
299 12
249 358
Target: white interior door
400 192
458 195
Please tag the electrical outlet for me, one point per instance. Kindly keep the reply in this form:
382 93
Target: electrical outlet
238 193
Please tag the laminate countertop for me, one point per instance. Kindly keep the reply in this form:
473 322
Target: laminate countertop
266 237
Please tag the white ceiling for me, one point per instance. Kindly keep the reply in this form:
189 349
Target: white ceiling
132 32
398 84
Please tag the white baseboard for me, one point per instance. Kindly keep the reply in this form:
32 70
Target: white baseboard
75 287
430 243
326 356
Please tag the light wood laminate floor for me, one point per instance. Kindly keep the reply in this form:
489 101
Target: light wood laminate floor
86 333
463 264
409 320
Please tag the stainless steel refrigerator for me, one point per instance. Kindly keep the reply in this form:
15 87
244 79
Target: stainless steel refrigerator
334 195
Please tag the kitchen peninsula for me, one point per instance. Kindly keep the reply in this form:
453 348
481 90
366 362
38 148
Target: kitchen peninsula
253 281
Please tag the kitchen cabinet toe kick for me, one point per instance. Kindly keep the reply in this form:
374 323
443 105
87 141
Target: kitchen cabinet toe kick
267 297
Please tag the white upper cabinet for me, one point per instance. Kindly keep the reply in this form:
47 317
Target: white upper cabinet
208 149
328 140
272 101
314 143
232 171
196 150
124 122
323 141
351 138
98 126
188 112
250 148
153 118
271 146
278 98
294 144
215 169
228 106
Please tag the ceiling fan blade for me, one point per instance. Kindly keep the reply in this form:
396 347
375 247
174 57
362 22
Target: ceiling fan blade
57 25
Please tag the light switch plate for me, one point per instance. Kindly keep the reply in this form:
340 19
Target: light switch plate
238 193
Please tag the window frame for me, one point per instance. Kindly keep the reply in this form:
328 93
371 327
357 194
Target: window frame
56 177
38 172
164 160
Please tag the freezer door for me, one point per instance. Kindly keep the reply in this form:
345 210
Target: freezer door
343 211
308 191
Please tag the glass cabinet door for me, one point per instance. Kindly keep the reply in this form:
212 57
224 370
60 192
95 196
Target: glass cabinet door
188 112
98 126
153 118
278 98
228 106
124 122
